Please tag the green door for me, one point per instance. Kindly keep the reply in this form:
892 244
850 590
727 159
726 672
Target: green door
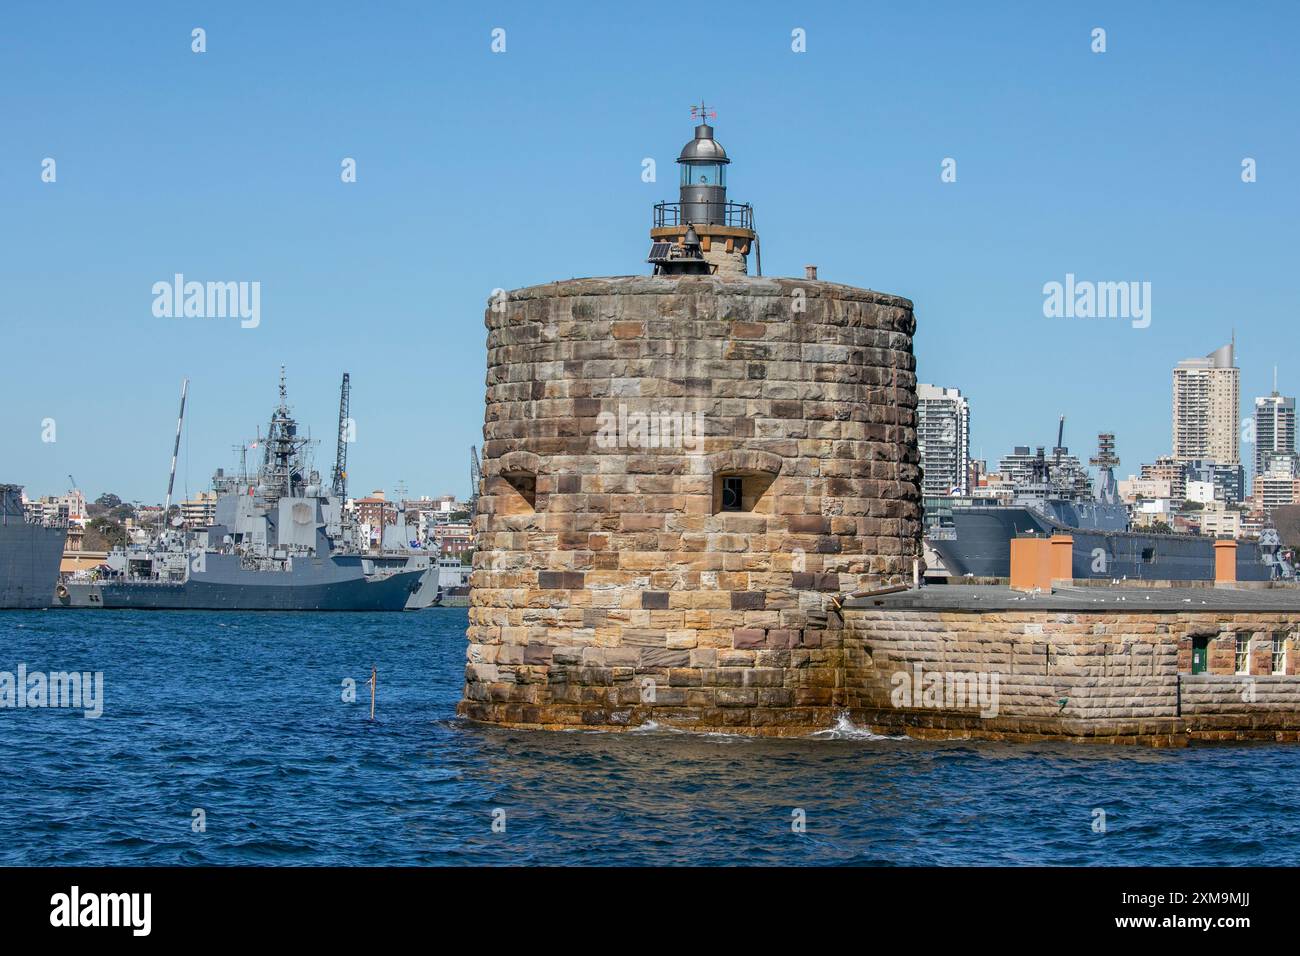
1200 650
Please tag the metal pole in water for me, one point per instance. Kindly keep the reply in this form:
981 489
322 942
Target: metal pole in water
373 680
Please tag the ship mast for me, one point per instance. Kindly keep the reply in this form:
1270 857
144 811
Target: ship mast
176 448
1105 460
280 460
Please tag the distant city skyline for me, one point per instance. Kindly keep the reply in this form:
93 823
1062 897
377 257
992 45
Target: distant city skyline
900 152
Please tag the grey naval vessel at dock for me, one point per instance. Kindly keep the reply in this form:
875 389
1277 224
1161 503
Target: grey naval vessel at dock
30 552
280 541
977 542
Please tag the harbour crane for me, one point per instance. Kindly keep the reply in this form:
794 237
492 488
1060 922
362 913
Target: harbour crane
176 449
475 477
340 477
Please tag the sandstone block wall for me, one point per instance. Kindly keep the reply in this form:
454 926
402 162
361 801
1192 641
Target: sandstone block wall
1211 695
1066 666
1105 674
609 587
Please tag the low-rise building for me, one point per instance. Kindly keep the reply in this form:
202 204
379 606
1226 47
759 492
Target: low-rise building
454 538
1171 471
375 509
1153 511
1133 488
1275 490
1229 480
1220 522
67 508
199 512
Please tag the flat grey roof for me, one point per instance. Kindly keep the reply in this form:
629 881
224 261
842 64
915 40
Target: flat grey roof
996 597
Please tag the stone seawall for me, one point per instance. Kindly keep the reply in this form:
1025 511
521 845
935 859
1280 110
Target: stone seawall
1237 707
1101 674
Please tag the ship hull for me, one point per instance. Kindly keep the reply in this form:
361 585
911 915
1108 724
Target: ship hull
981 547
311 585
29 563
426 593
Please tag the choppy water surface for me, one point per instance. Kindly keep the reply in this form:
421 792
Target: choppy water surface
241 716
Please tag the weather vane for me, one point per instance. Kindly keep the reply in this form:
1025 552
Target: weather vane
703 113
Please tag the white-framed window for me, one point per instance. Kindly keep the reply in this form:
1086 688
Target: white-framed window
1279 652
1243 653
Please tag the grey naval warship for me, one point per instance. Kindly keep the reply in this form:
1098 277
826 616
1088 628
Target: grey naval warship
30 552
977 543
280 541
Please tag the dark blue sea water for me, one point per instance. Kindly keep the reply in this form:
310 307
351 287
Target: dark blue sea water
241 716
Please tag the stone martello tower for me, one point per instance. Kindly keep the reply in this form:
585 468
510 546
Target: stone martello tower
682 474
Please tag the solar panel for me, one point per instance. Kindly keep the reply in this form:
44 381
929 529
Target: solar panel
659 252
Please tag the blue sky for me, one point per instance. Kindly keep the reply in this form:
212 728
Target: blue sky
479 170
